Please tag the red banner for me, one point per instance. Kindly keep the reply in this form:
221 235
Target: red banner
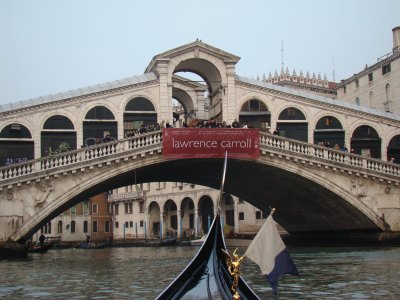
211 142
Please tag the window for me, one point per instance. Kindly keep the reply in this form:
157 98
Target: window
109 209
141 206
116 208
94 226
126 224
72 226
73 210
370 77
357 82
116 224
94 209
86 207
131 224
59 227
141 223
358 101
386 69
344 90
241 216
258 215
107 226
128 208
85 226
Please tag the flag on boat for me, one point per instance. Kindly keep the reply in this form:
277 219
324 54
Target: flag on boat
269 252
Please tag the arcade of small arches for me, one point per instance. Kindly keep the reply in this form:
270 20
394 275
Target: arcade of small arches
188 216
60 133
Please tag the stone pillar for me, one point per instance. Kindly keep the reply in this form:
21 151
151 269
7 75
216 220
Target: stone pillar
200 113
162 225
178 217
236 214
196 222
229 113
165 96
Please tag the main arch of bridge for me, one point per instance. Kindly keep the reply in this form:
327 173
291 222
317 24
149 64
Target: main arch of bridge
305 203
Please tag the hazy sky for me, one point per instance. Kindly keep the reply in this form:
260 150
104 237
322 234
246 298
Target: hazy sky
50 46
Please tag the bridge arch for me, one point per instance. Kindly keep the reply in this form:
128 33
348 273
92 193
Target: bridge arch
99 122
393 148
210 69
254 112
138 110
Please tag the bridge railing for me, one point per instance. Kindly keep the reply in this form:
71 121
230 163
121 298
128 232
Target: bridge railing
328 154
267 141
80 155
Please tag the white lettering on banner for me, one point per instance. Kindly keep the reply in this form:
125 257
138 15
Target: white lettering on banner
211 144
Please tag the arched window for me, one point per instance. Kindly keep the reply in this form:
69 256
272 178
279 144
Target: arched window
99 123
59 227
366 141
138 111
329 132
72 226
254 113
358 101
291 113
85 227
292 124
16 144
57 136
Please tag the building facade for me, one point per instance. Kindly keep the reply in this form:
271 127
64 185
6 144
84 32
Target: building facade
164 209
89 218
378 85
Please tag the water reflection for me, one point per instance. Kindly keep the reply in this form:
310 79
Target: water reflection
141 273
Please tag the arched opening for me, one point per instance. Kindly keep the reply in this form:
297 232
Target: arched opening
73 226
154 219
205 78
138 111
187 216
206 210
366 141
329 132
171 218
57 135
393 150
292 124
254 113
16 145
59 227
99 124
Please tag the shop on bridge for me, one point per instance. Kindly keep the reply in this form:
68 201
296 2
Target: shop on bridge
16 145
99 123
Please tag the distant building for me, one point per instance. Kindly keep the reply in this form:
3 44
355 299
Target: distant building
378 85
183 210
88 218
315 84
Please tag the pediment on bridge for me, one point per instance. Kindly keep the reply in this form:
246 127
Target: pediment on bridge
196 47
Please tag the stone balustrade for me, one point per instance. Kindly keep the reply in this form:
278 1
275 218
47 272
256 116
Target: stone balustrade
153 141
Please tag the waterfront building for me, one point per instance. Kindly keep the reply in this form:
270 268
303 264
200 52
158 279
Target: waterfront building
183 210
377 86
87 218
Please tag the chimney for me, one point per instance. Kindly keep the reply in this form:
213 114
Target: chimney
396 40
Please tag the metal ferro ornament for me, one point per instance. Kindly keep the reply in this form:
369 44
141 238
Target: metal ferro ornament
233 263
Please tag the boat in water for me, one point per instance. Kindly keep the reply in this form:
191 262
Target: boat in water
207 276
211 273
40 248
91 245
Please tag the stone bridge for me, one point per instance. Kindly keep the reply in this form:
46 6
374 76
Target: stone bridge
314 189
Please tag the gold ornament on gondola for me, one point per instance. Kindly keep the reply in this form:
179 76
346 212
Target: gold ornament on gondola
233 263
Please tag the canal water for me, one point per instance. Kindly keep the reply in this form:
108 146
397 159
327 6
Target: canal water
141 273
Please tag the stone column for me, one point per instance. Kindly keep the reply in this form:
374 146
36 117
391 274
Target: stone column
236 213
178 217
196 222
229 113
165 96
